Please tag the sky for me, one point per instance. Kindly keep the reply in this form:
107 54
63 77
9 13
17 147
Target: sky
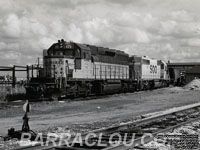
161 29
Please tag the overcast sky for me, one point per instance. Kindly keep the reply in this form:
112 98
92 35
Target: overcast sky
163 29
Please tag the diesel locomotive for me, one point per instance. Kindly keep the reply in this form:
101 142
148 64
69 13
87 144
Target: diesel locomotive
72 69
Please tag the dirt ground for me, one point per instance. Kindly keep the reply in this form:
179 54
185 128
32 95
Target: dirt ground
96 113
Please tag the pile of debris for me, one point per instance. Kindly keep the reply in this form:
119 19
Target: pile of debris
153 145
193 85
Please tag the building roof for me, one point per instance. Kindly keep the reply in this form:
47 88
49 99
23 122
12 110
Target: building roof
194 70
184 64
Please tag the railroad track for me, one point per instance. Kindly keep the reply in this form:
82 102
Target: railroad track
155 124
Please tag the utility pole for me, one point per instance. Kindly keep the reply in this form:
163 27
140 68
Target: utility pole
32 71
38 65
13 77
27 71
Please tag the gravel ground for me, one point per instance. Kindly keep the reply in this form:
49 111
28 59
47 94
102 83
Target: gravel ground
188 129
111 109
82 116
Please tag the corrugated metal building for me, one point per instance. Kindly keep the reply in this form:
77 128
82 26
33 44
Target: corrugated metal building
192 73
178 71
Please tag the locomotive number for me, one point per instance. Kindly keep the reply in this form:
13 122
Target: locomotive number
153 69
68 46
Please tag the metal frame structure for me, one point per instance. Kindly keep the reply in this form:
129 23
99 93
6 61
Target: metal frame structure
17 68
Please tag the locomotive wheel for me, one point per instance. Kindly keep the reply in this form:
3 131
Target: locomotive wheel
86 94
54 97
76 93
124 88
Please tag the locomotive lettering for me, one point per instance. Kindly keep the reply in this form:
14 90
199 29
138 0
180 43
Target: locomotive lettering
153 69
68 46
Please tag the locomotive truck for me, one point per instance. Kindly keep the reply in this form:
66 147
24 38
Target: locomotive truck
72 69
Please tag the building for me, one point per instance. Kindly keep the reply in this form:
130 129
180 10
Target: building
178 71
192 73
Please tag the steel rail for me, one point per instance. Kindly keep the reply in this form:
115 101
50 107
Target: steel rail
138 142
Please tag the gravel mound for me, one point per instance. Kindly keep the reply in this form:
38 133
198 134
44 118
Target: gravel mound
157 146
193 85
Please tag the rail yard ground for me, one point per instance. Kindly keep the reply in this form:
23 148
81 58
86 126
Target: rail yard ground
81 116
